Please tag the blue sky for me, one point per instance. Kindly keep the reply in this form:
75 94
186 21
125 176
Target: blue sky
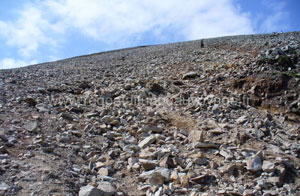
36 31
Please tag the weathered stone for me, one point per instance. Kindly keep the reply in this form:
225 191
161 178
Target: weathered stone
275 180
147 141
156 89
206 145
103 171
152 128
195 136
167 162
204 179
226 154
248 192
148 164
268 166
89 190
201 161
67 116
241 119
3 186
159 192
106 188
31 126
190 75
30 101
255 164
156 179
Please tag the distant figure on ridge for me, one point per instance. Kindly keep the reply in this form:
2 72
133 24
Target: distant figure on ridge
202 44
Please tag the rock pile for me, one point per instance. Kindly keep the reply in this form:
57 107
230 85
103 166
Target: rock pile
212 117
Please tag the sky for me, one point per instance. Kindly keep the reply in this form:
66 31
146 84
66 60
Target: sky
36 31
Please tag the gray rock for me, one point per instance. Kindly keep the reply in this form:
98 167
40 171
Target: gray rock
275 180
147 141
241 119
106 188
89 190
148 164
204 179
107 119
159 192
195 136
201 161
190 75
248 192
271 193
167 162
268 166
255 164
156 89
206 145
160 174
156 179
152 128
31 126
3 186
226 154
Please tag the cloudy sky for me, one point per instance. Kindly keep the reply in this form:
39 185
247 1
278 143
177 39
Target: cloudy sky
35 31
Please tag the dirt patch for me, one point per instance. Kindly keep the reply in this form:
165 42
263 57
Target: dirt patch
271 91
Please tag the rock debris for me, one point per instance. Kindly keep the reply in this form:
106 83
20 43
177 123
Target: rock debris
175 119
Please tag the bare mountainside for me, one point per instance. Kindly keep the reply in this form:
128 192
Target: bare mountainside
174 119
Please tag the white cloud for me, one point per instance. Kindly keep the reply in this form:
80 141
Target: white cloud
115 20
276 20
9 63
120 23
29 31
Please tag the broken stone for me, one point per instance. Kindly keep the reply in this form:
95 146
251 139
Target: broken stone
3 186
255 164
190 75
89 190
152 128
30 101
31 126
147 141
106 188
165 173
268 166
226 154
148 164
167 162
206 145
67 116
156 89
241 119
103 171
204 179
275 180
195 136
156 179
201 161
248 192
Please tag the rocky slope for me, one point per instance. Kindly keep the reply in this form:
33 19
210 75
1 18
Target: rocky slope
175 119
